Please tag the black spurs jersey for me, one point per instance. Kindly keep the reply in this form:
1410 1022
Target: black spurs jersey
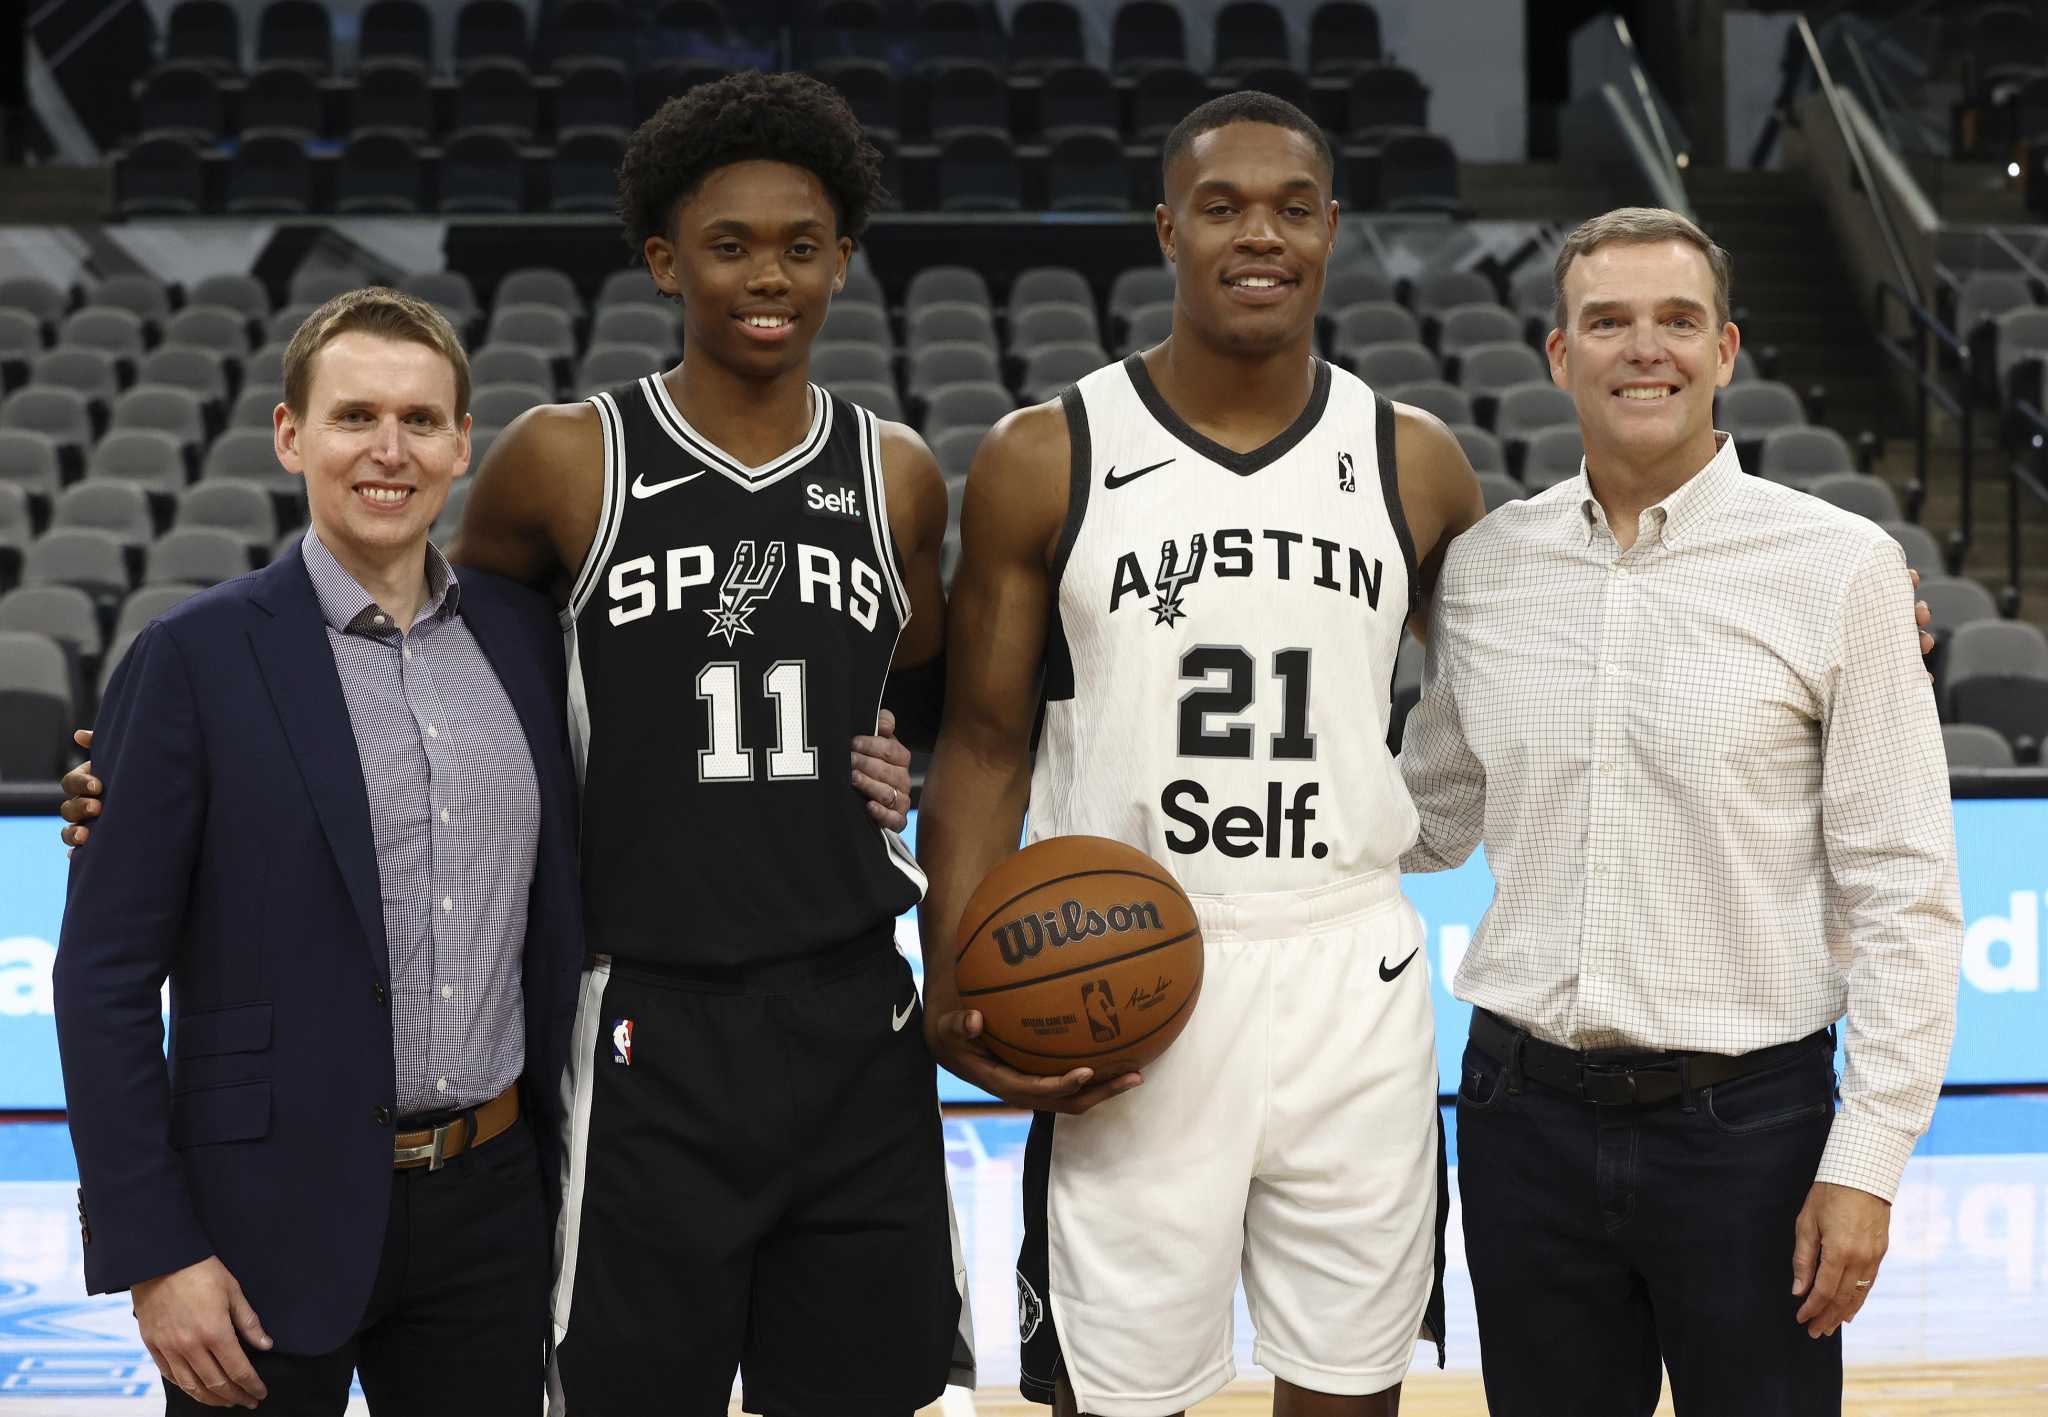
728 635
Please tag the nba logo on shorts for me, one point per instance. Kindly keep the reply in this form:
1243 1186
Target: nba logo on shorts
1100 1007
622 1041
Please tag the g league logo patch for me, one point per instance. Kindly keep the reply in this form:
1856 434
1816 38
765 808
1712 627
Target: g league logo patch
622 1041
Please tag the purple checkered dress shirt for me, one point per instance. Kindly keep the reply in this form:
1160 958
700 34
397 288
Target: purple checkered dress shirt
455 814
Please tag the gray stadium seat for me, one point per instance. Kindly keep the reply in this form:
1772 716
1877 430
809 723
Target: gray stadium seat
499 404
197 555
1048 370
857 324
241 508
540 326
948 362
607 366
199 371
1533 295
968 406
2019 334
60 415
1482 449
632 286
954 451
1982 296
1746 370
656 326
449 290
1953 601
280 328
242 293
1463 326
17 525
1050 285
1034 327
936 285
1138 287
1523 409
65 613
1550 456
256 406
214 327
85 557
1487 368
539 285
34 295
1752 411
1923 552
142 295
164 408
1447 401
121 508
92 372
1972 745
834 361
146 604
1382 365
266 364
36 708
244 453
1440 291
1858 492
147 457
951 320
118 332
1147 326
511 364
1372 322
1498 489
1357 284
862 287
880 399
1796 456
1995 672
28 460
21 340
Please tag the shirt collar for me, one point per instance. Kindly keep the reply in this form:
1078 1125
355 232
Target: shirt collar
347 607
1685 510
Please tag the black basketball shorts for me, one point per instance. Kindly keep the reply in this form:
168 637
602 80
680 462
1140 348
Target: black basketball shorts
754 1180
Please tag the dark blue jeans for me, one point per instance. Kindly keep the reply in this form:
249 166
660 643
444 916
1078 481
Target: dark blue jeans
1607 1240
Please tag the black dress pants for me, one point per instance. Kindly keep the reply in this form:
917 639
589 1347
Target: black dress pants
457 1318
1605 1241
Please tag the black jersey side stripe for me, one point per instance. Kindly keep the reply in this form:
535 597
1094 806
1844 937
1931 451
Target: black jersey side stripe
870 434
1390 493
670 419
610 510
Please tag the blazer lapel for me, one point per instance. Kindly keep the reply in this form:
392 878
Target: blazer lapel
291 649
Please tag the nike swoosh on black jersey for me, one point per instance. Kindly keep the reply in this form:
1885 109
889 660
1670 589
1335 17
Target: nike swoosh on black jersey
1112 480
643 488
1390 975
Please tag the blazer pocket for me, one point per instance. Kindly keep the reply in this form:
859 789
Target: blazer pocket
238 1111
245 1028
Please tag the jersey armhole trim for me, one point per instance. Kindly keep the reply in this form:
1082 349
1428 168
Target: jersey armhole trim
1059 656
1390 493
610 512
868 430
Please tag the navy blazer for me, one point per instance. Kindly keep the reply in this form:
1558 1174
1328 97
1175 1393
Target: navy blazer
234 856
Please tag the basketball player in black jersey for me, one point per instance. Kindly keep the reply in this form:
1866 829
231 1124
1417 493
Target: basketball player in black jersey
756 1176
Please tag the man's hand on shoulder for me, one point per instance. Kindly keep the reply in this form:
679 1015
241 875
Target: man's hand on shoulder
81 796
194 1322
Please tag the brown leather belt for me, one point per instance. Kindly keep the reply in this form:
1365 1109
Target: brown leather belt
432 1148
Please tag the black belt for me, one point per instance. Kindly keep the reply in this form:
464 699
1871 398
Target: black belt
1619 1078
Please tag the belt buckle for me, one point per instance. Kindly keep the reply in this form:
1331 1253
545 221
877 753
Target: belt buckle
435 1152
1607 1072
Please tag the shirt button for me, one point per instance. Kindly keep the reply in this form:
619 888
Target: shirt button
381 1115
1614 670
406 650
377 992
1607 767
447 904
376 619
440 1084
433 732
444 816
447 991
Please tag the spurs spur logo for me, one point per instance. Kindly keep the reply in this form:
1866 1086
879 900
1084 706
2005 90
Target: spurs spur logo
1028 935
749 580
1173 577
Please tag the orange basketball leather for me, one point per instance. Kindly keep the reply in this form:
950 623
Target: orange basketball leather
1079 951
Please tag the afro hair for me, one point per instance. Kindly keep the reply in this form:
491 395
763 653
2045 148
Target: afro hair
747 117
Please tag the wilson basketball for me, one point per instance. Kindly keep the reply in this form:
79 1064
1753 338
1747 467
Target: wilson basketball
1079 951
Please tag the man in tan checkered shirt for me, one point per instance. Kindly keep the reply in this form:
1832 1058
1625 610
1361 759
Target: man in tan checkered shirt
1673 702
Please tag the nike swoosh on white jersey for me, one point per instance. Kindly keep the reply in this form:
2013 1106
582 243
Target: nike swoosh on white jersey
642 488
896 1020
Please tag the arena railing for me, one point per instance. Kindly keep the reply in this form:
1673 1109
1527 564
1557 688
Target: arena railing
1919 354
2026 449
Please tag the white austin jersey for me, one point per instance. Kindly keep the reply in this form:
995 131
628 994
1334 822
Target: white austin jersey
1220 664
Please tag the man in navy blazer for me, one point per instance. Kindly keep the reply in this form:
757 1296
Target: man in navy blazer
340 817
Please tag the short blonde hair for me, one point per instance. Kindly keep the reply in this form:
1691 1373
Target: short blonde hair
1641 225
372 310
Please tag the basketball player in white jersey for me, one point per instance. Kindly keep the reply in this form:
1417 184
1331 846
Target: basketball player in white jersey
1201 560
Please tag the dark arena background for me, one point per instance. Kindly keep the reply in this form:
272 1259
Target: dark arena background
181 183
